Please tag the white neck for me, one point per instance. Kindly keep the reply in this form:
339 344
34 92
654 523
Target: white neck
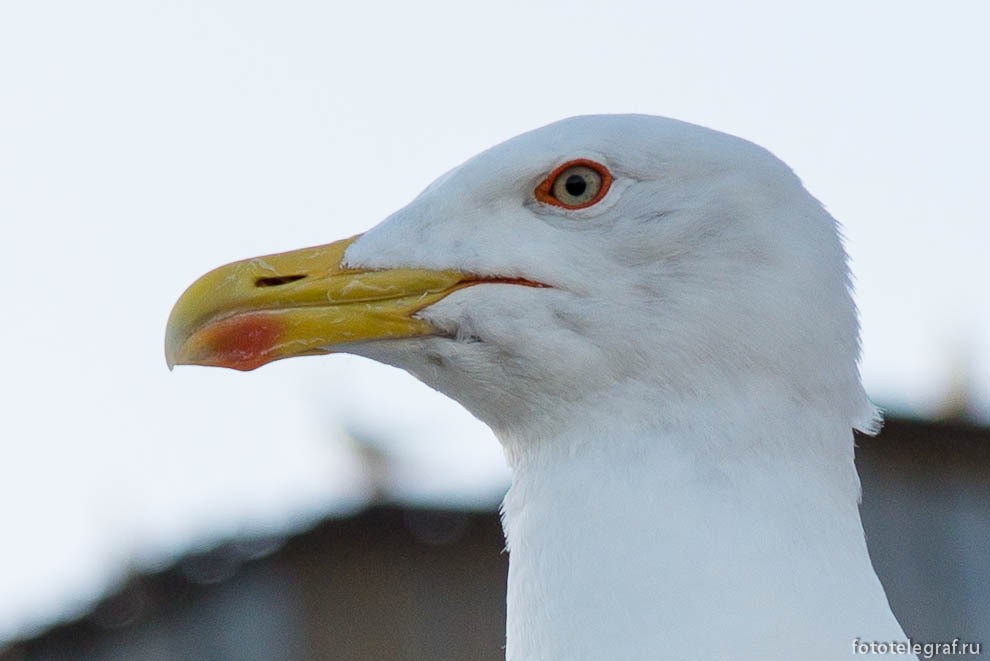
740 540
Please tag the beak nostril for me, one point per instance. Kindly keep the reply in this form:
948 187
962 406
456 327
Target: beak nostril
277 280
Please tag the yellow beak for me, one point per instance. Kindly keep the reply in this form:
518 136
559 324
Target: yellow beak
249 313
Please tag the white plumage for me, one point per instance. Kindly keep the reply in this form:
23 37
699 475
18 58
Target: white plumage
677 410
677 405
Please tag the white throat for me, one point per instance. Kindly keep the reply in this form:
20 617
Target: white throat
735 540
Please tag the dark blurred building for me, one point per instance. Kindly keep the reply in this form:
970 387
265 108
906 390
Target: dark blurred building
394 583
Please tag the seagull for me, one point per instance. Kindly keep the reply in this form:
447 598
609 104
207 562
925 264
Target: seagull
656 320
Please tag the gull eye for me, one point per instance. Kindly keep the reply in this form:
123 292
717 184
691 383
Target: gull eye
575 185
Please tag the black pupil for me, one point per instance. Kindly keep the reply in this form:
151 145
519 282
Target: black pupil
576 185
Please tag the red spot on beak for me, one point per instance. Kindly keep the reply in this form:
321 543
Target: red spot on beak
242 342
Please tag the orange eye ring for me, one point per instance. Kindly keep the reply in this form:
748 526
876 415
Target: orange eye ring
545 192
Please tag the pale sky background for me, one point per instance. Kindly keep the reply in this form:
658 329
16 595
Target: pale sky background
143 143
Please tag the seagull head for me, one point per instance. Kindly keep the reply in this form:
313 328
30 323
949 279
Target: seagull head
594 262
